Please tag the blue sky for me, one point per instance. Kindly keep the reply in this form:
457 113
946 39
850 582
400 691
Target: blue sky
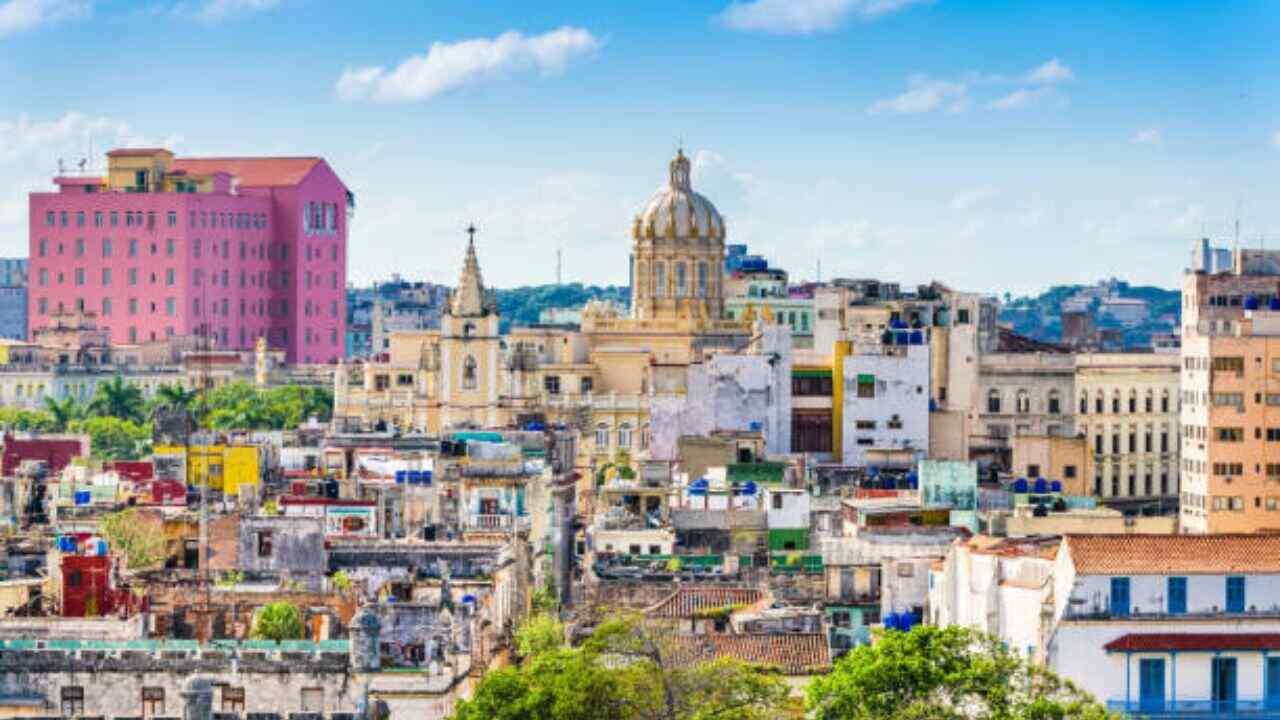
990 145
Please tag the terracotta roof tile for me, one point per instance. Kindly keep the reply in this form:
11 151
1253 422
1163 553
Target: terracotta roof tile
688 600
252 171
1159 642
793 653
1181 554
136 152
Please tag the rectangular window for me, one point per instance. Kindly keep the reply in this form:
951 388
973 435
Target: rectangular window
79 247
1177 595
313 700
72 701
133 248
79 276
133 276
49 218
171 277
1235 594
264 543
232 699
106 307
152 702
172 219
170 306
133 306
551 383
106 277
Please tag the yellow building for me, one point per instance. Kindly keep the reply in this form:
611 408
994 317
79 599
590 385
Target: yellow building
226 467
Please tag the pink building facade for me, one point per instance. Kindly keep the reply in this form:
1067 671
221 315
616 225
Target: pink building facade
231 249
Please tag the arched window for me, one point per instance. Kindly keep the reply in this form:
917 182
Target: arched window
993 401
1115 402
469 373
702 279
1099 405
1133 401
659 279
644 436
681 289
1084 403
1023 402
602 438
1164 401
624 436
1055 402
1150 401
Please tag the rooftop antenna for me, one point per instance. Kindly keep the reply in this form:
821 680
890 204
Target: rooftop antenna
61 167
819 268
559 264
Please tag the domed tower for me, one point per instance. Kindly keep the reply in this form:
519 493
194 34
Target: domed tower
677 253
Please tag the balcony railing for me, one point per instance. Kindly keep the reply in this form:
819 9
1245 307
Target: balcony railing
1188 709
501 522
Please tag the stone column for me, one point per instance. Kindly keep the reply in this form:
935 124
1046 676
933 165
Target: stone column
197 699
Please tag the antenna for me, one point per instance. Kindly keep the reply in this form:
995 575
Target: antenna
559 263
819 268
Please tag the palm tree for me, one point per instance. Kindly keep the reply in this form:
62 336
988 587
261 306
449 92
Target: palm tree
117 398
62 412
174 397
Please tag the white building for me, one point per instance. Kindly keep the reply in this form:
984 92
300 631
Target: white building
886 401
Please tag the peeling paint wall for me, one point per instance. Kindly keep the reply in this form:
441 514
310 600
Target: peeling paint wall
896 415
749 391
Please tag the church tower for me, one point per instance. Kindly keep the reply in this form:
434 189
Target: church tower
677 253
470 349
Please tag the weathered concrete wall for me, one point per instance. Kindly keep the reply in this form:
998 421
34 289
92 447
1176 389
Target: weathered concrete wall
744 391
897 415
296 546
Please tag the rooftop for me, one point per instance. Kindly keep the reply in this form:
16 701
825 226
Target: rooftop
686 601
1190 642
793 653
252 171
1182 554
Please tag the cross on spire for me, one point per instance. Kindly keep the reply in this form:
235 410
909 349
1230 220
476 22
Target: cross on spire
471 234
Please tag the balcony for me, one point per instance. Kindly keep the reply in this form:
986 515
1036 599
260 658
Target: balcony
1195 709
496 523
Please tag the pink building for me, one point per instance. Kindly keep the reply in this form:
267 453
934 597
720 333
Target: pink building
232 249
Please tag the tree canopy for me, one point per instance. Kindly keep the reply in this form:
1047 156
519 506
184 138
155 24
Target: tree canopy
623 672
951 673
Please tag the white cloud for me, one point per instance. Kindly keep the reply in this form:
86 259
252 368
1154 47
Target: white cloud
216 10
1148 136
969 199
802 17
1050 73
19 15
1019 99
924 95
1275 139
448 66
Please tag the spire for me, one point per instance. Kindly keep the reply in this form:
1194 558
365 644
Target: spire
468 297
680 172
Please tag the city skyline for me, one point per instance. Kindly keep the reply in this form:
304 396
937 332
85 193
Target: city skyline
896 139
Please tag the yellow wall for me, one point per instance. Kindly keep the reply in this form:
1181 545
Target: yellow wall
839 351
226 467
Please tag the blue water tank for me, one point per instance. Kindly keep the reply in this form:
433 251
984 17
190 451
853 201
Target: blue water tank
67 544
898 325
750 488
913 480
83 497
891 621
1020 485
905 621
1041 486
1274 304
901 337
917 337
1251 302
402 476
756 426
1055 486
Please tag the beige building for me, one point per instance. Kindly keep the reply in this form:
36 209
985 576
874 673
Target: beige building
1231 397
1053 457
1127 409
599 378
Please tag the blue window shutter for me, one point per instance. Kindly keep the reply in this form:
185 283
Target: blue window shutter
1120 596
1235 594
1177 595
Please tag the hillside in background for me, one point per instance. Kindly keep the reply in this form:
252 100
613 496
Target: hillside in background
1109 302
523 305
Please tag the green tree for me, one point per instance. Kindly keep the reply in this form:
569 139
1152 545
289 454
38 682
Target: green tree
624 671
62 412
951 673
111 438
541 633
140 540
25 420
117 398
278 621
174 397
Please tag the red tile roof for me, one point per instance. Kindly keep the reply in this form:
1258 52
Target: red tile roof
1190 642
688 600
1181 554
793 653
252 171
